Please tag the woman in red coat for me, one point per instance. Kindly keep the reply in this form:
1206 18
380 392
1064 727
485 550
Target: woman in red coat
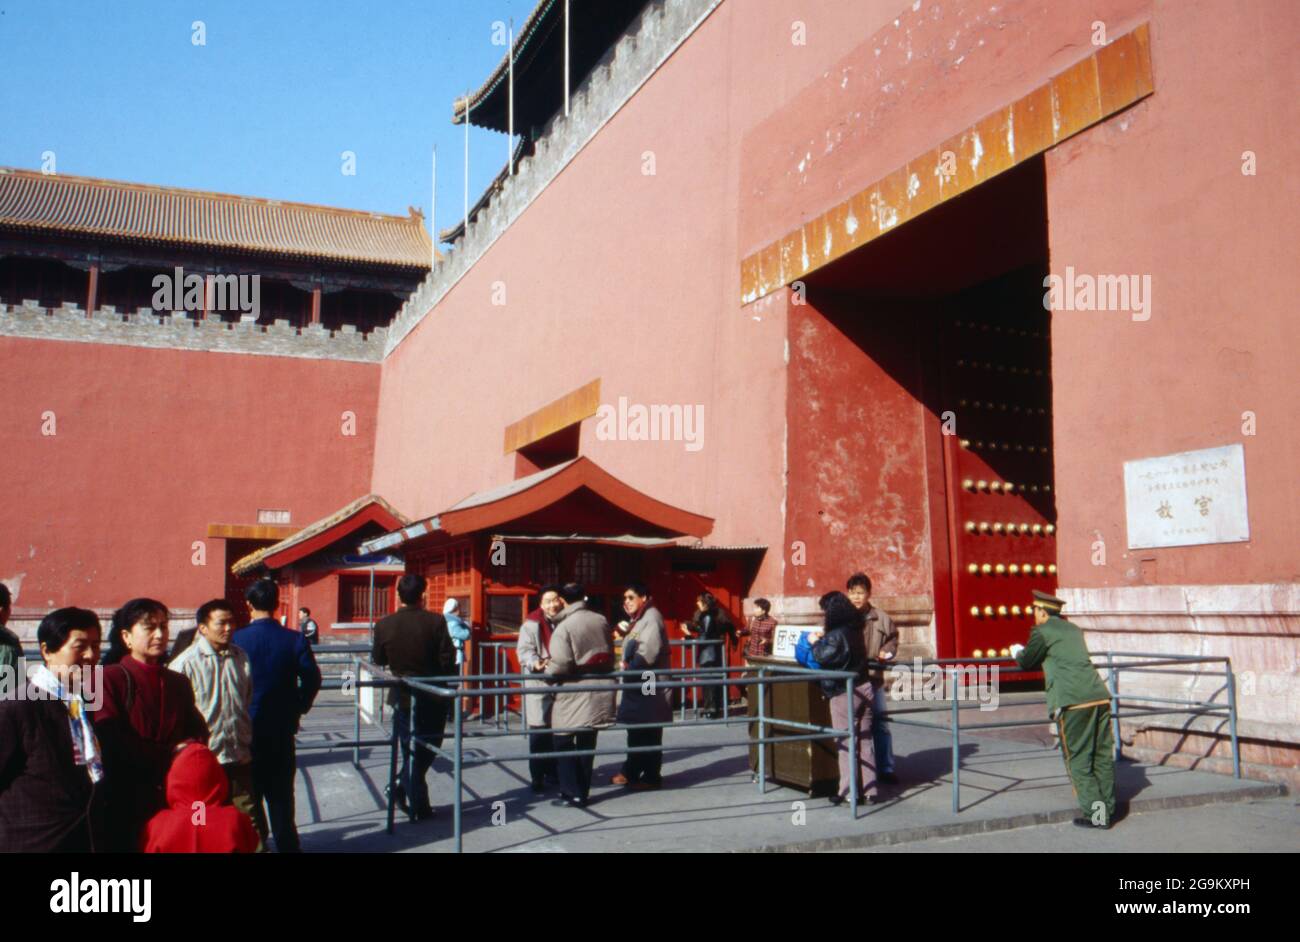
146 717
198 819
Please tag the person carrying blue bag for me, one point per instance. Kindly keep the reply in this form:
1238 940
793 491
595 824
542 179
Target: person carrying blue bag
841 647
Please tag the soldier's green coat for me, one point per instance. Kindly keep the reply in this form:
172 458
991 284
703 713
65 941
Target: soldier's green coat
1057 647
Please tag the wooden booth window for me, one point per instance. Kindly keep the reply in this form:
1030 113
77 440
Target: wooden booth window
514 570
588 567
505 613
354 599
546 565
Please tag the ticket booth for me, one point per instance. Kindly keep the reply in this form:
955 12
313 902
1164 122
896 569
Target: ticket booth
809 765
317 568
574 522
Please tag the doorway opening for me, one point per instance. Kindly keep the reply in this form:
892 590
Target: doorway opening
921 419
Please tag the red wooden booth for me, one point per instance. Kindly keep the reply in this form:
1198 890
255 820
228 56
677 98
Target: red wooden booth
572 522
319 568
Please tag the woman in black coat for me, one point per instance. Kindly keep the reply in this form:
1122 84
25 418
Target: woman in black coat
842 647
50 766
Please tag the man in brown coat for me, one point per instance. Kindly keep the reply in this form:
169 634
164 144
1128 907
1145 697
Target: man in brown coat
582 652
414 642
882 645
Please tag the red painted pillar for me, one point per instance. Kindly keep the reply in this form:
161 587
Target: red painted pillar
92 288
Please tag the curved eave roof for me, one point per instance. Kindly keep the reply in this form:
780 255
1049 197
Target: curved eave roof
87 206
498 507
328 530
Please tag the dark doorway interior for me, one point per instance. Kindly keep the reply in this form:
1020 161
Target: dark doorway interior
950 306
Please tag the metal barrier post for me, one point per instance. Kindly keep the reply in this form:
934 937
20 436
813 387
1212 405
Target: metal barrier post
408 762
762 733
356 712
956 748
392 778
854 765
683 691
1232 716
460 725
1114 706
496 700
509 687
726 680
695 690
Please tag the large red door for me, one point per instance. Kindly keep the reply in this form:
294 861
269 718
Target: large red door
995 357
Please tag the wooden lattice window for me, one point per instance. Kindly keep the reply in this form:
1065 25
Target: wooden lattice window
588 567
516 567
546 565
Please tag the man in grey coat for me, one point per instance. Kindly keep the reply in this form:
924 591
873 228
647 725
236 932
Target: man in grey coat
534 650
582 652
645 649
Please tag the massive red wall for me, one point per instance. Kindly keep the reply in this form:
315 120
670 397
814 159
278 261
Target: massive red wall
1159 191
151 446
632 278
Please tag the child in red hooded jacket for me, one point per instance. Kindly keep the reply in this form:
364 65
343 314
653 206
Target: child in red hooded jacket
198 819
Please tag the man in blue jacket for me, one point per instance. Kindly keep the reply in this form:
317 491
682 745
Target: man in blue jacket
285 682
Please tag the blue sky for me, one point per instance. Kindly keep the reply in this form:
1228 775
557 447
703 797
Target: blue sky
266 107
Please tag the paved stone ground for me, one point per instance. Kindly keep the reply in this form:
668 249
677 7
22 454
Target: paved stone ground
1014 796
1270 825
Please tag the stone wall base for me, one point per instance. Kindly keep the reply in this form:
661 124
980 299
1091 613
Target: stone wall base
1208 752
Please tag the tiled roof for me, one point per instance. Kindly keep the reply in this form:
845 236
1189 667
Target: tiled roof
135 211
528 37
323 526
540 491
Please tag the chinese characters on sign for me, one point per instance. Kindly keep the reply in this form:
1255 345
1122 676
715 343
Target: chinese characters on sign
785 640
1188 499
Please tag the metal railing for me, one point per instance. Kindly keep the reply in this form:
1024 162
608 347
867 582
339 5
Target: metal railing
499 685
456 690
498 653
1144 663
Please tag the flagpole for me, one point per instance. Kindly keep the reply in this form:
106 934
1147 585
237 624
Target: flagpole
433 208
465 234
510 128
566 58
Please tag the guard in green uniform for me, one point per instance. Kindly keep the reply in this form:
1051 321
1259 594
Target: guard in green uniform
1079 703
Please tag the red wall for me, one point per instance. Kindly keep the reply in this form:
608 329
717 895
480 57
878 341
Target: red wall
151 447
635 279
857 466
1159 190
632 278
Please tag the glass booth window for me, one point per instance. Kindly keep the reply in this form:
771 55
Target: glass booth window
505 612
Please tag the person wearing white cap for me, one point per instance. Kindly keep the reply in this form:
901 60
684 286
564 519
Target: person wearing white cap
457 628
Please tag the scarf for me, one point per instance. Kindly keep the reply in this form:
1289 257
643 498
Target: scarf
544 630
85 746
636 616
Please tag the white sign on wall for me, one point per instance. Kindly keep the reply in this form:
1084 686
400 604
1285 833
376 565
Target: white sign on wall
785 638
1188 499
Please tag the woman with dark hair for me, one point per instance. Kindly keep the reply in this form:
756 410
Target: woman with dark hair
49 757
711 623
148 715
841 647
